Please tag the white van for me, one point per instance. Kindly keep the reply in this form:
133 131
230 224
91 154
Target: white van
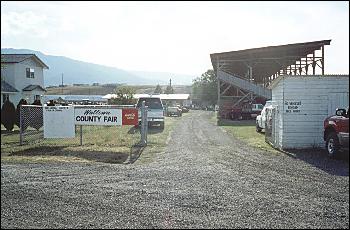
155 111
261 119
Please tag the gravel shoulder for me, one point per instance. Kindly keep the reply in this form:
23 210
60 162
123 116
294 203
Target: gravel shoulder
204 179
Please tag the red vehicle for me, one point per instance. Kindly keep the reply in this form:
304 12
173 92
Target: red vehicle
246 111
336 132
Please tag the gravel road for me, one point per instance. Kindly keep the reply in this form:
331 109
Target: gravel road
204 179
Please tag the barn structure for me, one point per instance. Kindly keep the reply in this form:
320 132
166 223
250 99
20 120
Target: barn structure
245 75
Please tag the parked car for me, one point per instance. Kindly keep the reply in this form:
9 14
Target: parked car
174 110
184 109
261 119
336 132
155 111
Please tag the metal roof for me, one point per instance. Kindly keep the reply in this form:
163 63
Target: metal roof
33 87
16 58
306 77
161 96
93 98
265 61
6 87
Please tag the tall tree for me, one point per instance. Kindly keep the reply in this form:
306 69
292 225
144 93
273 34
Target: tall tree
169 89
158 89
204 88
125 96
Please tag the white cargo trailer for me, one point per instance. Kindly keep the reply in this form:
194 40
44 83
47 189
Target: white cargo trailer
302 104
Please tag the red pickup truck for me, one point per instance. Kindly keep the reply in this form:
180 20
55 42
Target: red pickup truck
336 132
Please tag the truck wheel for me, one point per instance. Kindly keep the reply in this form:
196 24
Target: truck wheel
332 145
162 125
258 129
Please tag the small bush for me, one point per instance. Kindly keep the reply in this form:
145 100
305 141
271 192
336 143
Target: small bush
8 115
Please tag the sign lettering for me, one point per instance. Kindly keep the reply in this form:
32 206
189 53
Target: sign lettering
292 106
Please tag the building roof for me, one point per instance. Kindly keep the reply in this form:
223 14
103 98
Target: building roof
6 87
33 87
161 96
75 97
305 77
16 58
174 96
265 61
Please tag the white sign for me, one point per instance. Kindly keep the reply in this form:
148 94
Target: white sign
97 116
292 106
59 122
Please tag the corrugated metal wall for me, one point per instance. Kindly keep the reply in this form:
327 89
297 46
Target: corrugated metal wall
303 104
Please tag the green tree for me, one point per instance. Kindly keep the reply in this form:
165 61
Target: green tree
169 90
125 96
204 88
8 115
158 89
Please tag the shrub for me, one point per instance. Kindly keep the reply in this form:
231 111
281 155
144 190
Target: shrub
8 115
37 102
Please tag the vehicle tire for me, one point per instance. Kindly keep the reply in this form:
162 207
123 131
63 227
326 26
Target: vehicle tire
162 125
332 145
258 129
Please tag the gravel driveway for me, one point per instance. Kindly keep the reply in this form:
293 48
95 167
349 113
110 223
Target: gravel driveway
204 179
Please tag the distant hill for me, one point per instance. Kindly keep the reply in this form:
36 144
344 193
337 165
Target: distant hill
103 90
162 78
75 71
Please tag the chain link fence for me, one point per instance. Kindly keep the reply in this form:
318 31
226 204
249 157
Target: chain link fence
99 137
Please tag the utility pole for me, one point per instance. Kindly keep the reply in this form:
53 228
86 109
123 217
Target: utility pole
62 84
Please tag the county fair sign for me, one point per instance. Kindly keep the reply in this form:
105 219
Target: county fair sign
110 116
60 121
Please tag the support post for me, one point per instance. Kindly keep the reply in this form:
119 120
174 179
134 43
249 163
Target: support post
306 66
81 135
20 126
313 63
217 78
144 124
323 60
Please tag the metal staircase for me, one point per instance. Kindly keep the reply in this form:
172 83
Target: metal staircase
244 85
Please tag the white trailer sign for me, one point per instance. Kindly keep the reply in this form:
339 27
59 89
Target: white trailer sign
59 122
92 116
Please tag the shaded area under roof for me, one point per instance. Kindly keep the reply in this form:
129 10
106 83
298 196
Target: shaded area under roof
264 61
16 58
6 87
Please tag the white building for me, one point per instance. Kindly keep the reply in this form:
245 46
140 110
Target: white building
21 77
302 104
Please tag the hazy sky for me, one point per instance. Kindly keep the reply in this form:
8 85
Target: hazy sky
173 37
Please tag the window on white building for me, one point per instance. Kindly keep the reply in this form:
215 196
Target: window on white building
36 97
29 73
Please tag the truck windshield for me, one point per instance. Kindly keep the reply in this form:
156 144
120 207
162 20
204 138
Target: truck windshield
152 103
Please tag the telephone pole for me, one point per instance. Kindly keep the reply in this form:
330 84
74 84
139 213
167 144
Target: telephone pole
62 84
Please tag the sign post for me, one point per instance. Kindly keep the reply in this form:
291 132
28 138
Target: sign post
144 124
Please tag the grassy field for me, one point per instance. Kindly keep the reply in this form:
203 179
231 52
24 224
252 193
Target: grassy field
108 144
245 131
103 90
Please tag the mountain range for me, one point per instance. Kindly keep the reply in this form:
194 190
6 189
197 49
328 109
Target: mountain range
79 72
